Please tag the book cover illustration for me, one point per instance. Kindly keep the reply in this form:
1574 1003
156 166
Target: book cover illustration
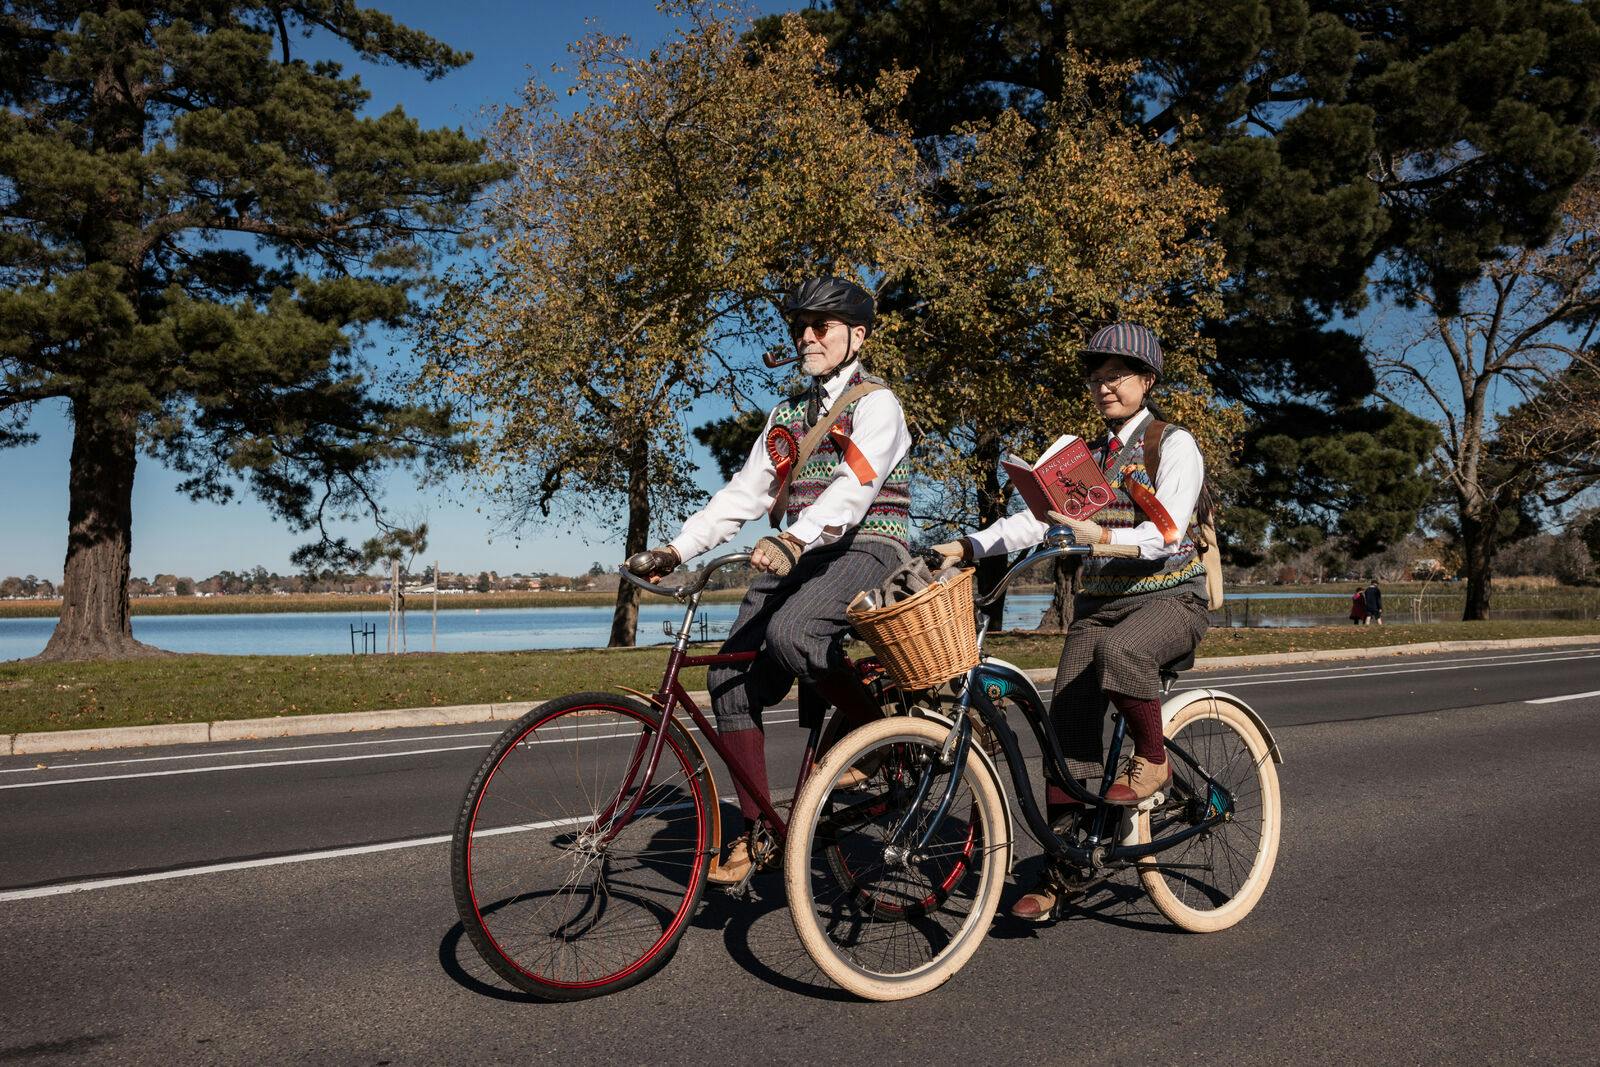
1065 478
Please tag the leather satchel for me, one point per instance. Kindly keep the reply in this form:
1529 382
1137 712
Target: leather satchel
1205 529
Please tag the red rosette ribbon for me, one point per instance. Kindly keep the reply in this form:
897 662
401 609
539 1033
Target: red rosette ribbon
781 449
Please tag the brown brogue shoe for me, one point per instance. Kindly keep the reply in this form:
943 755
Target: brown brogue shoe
1038 904
736 867
1139 780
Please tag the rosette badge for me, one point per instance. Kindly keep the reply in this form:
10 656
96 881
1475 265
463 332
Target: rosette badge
781 449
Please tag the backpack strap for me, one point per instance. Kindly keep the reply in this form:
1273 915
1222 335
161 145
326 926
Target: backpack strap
813 438
1154 431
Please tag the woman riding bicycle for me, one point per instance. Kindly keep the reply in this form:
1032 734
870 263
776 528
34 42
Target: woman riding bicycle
1131 615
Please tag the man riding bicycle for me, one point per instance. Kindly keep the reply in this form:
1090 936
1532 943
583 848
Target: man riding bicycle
846 502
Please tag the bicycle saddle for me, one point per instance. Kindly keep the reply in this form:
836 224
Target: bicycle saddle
1179 665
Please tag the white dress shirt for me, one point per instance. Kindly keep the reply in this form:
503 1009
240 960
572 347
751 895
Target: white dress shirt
878 429
1178 483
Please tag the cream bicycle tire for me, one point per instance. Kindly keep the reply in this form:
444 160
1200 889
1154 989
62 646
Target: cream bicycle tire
988 803
1168 890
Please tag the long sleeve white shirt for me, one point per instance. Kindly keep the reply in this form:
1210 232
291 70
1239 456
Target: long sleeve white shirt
878 430
1178 483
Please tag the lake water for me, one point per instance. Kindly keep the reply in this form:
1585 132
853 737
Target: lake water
512 629
461 630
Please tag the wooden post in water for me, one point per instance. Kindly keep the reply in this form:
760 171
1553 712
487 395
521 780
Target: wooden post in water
436 605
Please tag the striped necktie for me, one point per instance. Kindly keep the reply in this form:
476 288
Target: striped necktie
1112 447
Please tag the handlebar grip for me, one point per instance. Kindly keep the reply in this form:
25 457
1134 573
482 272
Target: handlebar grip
1121 551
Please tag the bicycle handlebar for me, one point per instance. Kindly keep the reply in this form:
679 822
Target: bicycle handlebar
1058 541
695 582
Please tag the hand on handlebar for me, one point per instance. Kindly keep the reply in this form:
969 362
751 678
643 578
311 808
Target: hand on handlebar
1084 531
952 552
655 563
776 554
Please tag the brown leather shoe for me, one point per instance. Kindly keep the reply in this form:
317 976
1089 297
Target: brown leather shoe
1139 780
1038 904
736 867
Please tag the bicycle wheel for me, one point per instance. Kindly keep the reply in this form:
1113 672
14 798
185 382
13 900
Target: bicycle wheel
882 925
1226 869
558 894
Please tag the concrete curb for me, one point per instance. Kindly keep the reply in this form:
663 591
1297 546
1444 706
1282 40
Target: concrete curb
351 722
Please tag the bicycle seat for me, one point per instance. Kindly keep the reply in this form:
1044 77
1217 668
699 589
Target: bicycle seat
1179 665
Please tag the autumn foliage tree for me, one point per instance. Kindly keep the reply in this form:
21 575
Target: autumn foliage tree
631 260
199 228
1052 225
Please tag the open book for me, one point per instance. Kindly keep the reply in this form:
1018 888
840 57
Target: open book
1065 479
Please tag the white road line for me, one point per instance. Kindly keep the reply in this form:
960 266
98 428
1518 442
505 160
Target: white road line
1368 672
1504 659
244 752
1569 696
305 762
297 857
236 767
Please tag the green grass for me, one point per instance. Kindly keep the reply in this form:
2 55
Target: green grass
203 688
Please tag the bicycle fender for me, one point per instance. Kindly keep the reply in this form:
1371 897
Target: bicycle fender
975 751
1178 701
1009 676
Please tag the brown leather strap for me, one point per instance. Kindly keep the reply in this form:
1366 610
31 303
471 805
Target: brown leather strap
1152 447
809 443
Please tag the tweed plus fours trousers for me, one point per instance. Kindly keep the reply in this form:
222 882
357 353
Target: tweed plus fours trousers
1117 646
797 623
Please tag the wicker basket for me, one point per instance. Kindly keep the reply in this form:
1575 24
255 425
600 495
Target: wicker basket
927 638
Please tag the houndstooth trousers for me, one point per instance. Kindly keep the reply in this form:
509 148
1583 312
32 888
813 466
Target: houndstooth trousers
1117 646
798 625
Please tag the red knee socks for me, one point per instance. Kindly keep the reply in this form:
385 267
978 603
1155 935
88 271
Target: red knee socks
1144 724
749 749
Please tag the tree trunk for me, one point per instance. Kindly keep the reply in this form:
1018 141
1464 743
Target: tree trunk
94 620
1478 534
991 506
625 619
1059 615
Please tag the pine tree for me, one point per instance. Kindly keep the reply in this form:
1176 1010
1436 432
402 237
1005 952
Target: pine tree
1425 135
200 230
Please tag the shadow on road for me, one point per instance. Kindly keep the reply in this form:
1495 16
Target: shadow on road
760 937
459 960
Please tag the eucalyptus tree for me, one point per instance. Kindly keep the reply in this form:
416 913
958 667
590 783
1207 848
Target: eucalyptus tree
630 262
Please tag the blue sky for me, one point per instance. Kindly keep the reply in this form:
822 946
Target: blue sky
172 534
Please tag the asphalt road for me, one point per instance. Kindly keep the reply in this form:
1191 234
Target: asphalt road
1433 899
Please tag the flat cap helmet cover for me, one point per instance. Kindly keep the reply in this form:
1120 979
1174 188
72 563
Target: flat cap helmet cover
832 296
1128 340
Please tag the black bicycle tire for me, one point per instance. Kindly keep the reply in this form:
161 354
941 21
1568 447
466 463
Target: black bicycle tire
460 875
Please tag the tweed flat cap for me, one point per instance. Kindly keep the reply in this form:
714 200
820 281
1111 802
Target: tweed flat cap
1128 340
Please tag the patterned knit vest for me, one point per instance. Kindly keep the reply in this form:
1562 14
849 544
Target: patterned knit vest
1108 576
889 516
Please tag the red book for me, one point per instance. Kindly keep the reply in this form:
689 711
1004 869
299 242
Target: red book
1065 479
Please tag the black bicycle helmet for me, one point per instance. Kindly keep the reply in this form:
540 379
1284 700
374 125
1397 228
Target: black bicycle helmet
832 296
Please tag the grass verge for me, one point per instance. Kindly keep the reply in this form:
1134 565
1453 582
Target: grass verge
66 696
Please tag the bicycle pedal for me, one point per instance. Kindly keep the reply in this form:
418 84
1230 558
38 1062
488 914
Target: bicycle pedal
1151 802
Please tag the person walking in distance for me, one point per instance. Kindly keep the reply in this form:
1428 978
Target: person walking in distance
1358 608
1374 598
847 508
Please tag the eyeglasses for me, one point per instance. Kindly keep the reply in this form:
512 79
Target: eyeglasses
1113 382
798 328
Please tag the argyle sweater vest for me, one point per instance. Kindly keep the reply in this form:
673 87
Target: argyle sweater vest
889 517
1107 576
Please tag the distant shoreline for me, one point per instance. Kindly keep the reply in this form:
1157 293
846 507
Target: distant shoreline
253 604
